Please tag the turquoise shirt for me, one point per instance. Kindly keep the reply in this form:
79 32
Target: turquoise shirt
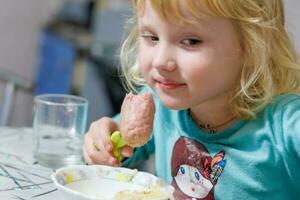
258 159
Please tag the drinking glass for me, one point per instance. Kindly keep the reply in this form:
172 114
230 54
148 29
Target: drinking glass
59 126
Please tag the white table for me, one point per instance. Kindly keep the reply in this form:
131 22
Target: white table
20 177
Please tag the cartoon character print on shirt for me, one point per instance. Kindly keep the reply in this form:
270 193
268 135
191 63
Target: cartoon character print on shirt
195 172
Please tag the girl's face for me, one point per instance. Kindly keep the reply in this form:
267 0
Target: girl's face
188 65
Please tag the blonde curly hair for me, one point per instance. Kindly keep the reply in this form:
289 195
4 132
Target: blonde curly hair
271 66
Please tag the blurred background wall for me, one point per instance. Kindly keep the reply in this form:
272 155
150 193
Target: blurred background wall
292 18
60 46
76 43
20 26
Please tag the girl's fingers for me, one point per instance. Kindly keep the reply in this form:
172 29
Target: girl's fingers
127 151
97 155
101 131
86 157
94 155
94 133
109 126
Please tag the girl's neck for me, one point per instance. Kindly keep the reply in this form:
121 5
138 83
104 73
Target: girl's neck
215 114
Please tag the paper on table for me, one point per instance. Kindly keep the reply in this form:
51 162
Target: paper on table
19 178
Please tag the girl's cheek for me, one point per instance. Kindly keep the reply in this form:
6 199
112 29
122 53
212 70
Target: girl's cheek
144 71
144 63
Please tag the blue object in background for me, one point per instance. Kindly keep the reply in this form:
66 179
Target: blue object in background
55 70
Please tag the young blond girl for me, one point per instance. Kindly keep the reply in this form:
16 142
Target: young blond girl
225 81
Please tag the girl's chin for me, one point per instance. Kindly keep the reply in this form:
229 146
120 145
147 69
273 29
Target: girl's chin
174 104
172 101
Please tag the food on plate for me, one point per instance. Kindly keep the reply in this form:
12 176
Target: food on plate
154 193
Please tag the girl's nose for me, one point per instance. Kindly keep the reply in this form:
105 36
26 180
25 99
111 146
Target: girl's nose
164 60
169 65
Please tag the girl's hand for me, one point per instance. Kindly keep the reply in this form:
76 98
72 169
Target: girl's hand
98 147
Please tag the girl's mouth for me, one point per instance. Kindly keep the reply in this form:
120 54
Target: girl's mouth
169 85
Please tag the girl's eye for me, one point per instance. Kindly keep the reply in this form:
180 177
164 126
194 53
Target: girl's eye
182 170
150 38
191 42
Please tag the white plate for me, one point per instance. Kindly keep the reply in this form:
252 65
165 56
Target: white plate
98 182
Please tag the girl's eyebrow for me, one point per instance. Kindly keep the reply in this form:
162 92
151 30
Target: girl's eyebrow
145 23
185 30
146 27
201 23
203 27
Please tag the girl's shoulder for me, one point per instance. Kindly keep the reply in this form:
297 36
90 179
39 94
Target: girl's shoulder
284 116
287 104
284 111
286 100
